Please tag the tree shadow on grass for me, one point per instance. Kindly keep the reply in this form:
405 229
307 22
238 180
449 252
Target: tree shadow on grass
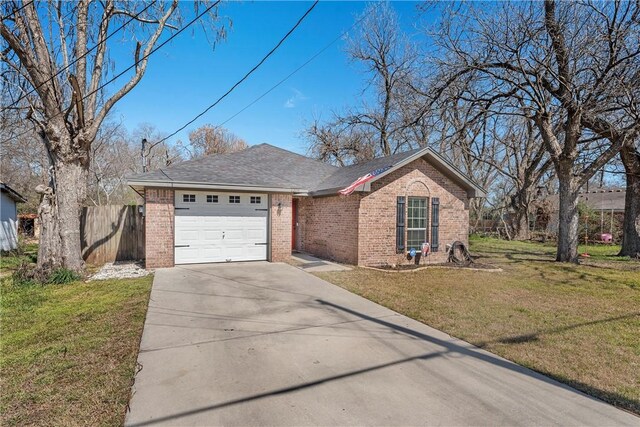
535 336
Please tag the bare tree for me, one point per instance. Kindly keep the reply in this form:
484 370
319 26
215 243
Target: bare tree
208 140
339 143
56 62
556 60
388 58
23 161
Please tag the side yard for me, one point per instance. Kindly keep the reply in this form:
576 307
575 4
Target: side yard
68 352
577 324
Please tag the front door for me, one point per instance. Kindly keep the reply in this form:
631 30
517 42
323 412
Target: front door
294 223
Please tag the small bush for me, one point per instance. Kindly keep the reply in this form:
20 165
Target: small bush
62 276
26 275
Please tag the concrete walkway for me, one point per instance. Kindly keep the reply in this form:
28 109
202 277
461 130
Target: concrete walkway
313 264
257 344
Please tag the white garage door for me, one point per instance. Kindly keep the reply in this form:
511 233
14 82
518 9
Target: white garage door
220 227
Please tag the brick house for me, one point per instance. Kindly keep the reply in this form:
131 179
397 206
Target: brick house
264 202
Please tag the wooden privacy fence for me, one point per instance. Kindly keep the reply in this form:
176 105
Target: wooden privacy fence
112 233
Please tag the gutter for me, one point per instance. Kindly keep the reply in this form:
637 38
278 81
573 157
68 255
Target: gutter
205 186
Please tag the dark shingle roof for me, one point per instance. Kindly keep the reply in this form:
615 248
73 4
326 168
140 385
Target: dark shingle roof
261 165
267 166
344 176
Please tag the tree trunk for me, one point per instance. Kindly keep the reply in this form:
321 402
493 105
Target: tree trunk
567 250
60 210
520 215
70 194
520 225
49 248
631 226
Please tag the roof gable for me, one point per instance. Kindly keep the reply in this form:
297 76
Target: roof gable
347 175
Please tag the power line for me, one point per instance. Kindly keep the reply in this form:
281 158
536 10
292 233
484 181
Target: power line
271 52
320 52
17 10
78 58
174 35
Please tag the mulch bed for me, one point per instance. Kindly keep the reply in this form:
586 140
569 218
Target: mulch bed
416 267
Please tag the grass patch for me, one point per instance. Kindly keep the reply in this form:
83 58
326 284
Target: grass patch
11 260
69 351
576 323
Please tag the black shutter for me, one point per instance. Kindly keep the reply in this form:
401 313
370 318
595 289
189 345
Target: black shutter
400 225
435 223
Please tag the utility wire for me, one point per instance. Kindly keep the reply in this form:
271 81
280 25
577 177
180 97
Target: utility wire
174 35
320 52
17 10
271 52
79 57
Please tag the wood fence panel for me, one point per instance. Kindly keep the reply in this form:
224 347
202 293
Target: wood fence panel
111 233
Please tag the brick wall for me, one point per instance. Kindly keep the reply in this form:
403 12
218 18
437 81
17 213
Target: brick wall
159 223
377 219
280 227
328 227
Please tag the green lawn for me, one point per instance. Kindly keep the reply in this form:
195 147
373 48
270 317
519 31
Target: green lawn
69 352
11 260
577 323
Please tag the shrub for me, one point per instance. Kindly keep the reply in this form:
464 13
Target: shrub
62 276
26 275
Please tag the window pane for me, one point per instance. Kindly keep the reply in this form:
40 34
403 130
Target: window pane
416 222
415 239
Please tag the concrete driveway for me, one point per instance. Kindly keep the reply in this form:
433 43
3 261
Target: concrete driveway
268 344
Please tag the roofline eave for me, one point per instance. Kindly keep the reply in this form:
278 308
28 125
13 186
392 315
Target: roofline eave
13 194
212 186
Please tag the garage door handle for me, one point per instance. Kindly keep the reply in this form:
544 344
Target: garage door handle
264 210
261 244
182 246
181 209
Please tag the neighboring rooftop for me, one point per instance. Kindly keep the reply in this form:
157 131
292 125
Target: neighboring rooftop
13 194
265 166
606 199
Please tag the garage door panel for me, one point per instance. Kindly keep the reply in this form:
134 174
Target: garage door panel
256 235
212 235
222 231
257 252
186 235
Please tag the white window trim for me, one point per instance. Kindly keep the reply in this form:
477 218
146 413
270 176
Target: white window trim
408 244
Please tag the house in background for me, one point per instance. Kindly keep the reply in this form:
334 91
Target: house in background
606 216
9 217
264 202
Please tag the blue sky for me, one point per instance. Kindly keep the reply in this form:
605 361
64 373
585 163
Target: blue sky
187 75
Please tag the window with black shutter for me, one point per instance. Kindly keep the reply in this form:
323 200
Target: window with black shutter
435 223
400 225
